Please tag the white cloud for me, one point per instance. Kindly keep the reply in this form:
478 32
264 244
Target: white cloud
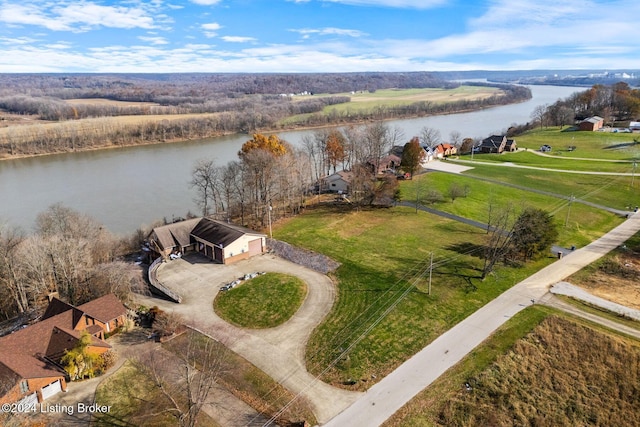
205 2
154 40
78 17
211 29
329 31
402 4
238 39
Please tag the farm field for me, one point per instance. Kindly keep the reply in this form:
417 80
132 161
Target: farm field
110 102
527 373
385 261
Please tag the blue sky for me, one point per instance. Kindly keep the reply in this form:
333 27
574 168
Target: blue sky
317 35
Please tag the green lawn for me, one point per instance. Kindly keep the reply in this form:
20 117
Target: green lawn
585 223
385 257
367 101
612 191
528 158
263 302
595 145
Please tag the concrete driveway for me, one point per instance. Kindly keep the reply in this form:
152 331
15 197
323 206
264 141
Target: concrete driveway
280 352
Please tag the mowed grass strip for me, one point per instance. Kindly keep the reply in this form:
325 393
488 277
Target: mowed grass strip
262 302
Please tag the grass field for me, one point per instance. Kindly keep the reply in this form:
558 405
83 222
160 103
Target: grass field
591 145
263 302
541 368
585 223
385 257
394 97
612 191
366 101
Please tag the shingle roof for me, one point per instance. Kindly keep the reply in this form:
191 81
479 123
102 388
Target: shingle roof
105 308
23 352
176 234
220 233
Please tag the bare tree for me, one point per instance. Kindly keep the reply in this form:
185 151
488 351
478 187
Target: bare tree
455 138
499 234
203 178
185 380
430 136
12 283
539 114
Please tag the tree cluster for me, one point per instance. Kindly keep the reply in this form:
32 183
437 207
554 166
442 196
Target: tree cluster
270 178
513 237
70 254
614 103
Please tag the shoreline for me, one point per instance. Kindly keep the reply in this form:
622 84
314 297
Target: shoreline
265 131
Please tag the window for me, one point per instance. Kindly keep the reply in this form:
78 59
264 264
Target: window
24 386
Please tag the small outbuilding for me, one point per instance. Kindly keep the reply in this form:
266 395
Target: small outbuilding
591 124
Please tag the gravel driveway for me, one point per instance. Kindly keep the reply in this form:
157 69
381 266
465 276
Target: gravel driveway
280 351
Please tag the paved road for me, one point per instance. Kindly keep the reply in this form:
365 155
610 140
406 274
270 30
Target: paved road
390 394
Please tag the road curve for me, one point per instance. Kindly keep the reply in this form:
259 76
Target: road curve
386 397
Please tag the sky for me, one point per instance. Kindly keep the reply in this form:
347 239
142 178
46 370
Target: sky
149 36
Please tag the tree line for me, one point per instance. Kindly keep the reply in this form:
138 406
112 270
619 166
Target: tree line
273 179
69 253
614 103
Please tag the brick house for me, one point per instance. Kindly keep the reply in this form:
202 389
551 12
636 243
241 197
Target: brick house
30 369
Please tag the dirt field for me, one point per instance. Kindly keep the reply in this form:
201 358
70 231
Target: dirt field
617 280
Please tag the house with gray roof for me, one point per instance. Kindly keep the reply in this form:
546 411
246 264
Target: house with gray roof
219 241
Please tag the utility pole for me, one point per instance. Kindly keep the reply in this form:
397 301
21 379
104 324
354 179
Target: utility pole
566 221
417 192
633 172
430 271
270 231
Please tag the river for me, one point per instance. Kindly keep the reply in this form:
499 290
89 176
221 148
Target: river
126 188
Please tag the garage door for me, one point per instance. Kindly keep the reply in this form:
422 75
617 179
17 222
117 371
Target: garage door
255 247
51 389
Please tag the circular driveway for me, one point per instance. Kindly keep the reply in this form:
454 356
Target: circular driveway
280 351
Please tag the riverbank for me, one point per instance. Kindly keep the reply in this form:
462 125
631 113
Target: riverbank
62 142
